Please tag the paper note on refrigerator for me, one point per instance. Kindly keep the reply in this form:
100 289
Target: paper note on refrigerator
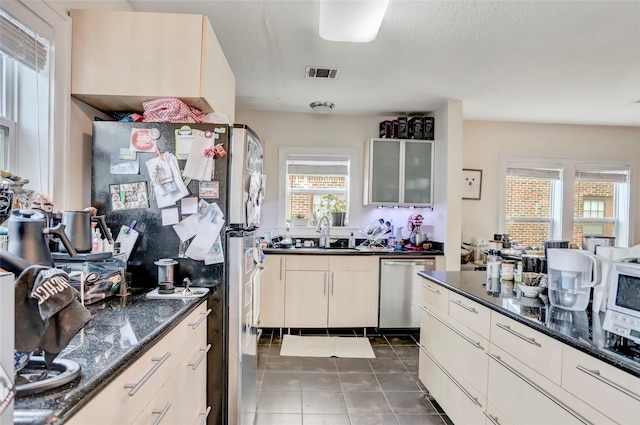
204 240
168 186
188 227
127 238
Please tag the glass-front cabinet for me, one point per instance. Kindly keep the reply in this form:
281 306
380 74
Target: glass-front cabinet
399 172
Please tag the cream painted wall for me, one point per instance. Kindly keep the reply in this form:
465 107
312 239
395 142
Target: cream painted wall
485 141
282 129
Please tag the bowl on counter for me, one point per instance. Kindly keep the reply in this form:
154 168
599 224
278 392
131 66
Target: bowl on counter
531 291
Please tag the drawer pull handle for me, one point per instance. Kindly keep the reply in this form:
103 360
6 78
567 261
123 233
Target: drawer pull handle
463 336
427 287
408 263
136 387
162 413
471 309
473 399
205 415
560 404
201 319
492 419
519 335
596 374
195 364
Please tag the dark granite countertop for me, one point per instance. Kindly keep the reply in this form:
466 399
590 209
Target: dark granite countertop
121 330
353 251
579 329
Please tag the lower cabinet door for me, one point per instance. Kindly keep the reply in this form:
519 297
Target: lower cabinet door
306 299
457 402
353 299
611 391
522 400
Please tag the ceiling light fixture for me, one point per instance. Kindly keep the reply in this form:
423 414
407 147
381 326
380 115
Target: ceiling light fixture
349 20
322 107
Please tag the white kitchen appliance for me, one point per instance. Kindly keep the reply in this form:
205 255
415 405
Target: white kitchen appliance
572 274
608 256
246 181
623 303
243 319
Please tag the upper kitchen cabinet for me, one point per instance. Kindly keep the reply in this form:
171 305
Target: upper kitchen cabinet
121 59
399 172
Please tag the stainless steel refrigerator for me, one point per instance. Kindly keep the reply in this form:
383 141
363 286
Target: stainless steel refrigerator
237 188
243 276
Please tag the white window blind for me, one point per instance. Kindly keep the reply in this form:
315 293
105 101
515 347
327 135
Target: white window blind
22 44
534 173
603 174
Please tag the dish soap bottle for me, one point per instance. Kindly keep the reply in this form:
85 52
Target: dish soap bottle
352 241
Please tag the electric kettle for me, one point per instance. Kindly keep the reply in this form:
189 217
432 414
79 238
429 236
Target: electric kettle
78 229
27 237
572 273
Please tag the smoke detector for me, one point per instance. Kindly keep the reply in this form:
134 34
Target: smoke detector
322 107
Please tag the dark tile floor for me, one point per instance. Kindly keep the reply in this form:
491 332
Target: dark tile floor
342 391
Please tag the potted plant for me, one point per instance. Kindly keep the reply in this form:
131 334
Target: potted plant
334 208
299 219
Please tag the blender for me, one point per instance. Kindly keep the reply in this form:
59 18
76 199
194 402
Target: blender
572 273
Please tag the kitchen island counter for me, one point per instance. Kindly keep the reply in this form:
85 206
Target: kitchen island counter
120 332
581 330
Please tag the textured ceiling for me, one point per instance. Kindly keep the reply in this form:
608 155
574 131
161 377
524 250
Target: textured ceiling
531 61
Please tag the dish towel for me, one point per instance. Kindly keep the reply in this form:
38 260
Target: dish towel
48 313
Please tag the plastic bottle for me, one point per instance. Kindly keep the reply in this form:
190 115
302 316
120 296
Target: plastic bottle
97 242
352 241
493 266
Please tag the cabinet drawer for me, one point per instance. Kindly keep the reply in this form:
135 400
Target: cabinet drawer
307 262
612 391
135 387
141 382
194 327
460 404
461 351
435 295
471 314
531 347
522 395
353 262
520 401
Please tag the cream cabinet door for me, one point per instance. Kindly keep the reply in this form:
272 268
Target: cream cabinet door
608 389
306 299
461 406
181 49
353 291
457 348
353 299
272 288
526 397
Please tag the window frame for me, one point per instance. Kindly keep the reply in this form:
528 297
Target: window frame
562 200
285 153
42 17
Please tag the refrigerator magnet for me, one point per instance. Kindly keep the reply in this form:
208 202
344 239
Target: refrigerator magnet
142 140
209 189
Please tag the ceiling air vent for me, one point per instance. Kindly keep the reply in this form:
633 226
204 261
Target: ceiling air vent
322 73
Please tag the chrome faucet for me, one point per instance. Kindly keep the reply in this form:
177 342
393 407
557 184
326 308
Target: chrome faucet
324 231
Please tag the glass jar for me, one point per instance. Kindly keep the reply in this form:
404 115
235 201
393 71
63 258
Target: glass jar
506 271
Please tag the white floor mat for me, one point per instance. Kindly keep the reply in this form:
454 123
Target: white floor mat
326 346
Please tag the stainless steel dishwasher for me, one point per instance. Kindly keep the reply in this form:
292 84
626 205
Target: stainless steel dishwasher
400 291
